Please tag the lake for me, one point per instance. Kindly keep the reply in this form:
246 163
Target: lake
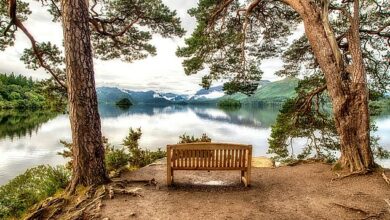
29 139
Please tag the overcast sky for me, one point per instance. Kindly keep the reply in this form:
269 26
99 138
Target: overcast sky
162 72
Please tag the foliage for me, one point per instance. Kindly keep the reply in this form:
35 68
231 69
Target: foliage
184 139
20 92
115 158
30 187
232 35
67 153
301 117
140 157
124 103
312 121
252 31
229 103
119 29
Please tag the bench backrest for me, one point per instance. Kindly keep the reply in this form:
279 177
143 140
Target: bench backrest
209 156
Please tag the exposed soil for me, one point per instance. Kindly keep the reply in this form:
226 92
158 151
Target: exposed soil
305 191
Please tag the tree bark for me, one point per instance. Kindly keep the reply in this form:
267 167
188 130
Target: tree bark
347 86
88 151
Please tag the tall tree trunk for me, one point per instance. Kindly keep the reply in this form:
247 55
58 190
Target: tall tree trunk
88 151
347 87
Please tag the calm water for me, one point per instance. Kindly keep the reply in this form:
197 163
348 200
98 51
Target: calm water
32 138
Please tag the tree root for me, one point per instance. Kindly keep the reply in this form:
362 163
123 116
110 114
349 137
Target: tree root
121 183
374 216
85 203
357 173
42 210
388 203
133 192
385 178
367 214
351 208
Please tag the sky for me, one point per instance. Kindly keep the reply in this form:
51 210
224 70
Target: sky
163 72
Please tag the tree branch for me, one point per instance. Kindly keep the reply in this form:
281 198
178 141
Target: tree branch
38 53
213 17
307 103
12 14
330 35
378 31
15 21
96 21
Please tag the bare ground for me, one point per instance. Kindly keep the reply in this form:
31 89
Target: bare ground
305 191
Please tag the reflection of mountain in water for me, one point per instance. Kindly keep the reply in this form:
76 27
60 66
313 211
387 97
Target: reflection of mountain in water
112 111
247 115
21 123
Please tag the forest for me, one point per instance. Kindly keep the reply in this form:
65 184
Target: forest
19 92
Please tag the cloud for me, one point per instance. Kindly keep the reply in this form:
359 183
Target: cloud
162 72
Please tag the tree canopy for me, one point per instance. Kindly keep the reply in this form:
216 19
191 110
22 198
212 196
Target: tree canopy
344 50
233 37
120 29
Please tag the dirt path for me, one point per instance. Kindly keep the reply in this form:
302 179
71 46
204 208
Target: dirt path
300 192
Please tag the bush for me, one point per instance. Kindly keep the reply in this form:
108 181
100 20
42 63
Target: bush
31 187
140 157
116 158
183 139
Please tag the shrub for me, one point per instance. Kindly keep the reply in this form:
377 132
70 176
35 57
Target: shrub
140 157
30 187
116 158
183 139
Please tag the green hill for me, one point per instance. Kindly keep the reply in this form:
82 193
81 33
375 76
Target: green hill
272 92
276 91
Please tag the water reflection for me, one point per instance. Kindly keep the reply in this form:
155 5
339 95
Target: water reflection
248 116
17 124
27 140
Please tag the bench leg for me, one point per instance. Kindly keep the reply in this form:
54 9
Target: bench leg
247 178
169 177
244 178
242 175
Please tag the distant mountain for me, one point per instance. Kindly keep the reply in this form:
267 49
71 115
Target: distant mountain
267 91
111 95
148 97
173 97
209 91
206 96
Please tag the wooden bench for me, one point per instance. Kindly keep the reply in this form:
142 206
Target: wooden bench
209 156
